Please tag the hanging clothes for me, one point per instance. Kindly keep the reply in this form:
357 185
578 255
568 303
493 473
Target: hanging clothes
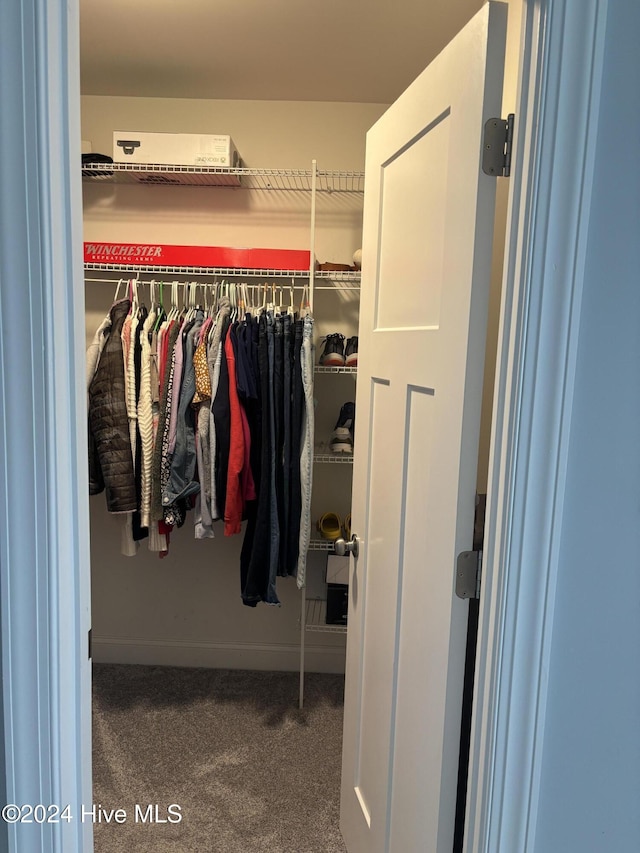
182 482
234 503
203 522
111 465
214 363
306 454
294 508
94 351
214 414
255 556
145 420
274 533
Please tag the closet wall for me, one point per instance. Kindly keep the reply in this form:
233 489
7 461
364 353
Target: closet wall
186 608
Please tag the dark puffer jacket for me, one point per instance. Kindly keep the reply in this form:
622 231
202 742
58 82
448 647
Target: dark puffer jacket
110 459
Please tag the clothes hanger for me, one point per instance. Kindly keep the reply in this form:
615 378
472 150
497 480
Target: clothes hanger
291 310
216 298
231 293
203 304
271 302
255 299
208 322
162 314
234 302
136 296
186 301
153 295
305 307
142 307
240 305
117 293
246 294
174 313
191 293
193 298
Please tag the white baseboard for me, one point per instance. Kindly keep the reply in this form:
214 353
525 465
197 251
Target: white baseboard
276 657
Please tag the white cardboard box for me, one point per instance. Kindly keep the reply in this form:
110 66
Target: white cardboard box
174 149
337 570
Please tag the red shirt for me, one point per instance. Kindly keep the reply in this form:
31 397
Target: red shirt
234 504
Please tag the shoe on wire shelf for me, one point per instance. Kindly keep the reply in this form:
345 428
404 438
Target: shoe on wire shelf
329 526
333 352
342 438
346 528
351 352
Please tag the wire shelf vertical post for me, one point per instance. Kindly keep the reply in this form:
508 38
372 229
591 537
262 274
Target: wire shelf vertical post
312 242
303 626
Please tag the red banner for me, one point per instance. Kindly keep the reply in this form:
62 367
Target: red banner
145 254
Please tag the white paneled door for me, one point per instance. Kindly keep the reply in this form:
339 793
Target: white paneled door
428 228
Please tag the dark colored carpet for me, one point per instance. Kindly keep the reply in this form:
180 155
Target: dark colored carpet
251 772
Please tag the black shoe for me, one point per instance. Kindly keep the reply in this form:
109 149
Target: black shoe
351 352
342 439
333 352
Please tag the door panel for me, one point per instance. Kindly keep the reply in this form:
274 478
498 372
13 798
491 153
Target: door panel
371 767
428 227
421 193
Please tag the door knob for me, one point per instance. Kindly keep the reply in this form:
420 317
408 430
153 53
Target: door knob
342 547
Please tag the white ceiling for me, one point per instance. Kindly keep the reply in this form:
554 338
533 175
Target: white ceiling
309 50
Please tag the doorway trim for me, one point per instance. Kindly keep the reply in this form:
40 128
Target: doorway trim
548 220
44 519
45 583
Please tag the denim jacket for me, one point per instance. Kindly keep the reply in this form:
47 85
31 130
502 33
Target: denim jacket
182 480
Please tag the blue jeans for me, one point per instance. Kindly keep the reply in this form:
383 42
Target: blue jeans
182 479
255 562
292 461
274 524
278 410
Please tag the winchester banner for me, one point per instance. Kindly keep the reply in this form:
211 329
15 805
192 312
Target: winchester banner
145 254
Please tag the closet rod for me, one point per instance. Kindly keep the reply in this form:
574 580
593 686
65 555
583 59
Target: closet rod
199 283
204 272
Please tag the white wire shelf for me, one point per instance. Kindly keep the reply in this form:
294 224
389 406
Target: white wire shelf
334 458
321 368
230 272
321 545
337 281
338 275
337 288
213 272
296 180
316 618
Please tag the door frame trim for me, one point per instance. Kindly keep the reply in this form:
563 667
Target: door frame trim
45 599
548 219
44 517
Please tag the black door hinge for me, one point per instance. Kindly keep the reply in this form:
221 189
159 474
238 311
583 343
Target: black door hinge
497 145
90 644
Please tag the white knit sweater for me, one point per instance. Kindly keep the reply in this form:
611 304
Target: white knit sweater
145 420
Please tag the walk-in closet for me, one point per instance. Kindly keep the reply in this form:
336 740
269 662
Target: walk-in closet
182 603
219 601
478 699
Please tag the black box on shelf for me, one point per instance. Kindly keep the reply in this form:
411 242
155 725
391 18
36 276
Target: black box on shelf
337 603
